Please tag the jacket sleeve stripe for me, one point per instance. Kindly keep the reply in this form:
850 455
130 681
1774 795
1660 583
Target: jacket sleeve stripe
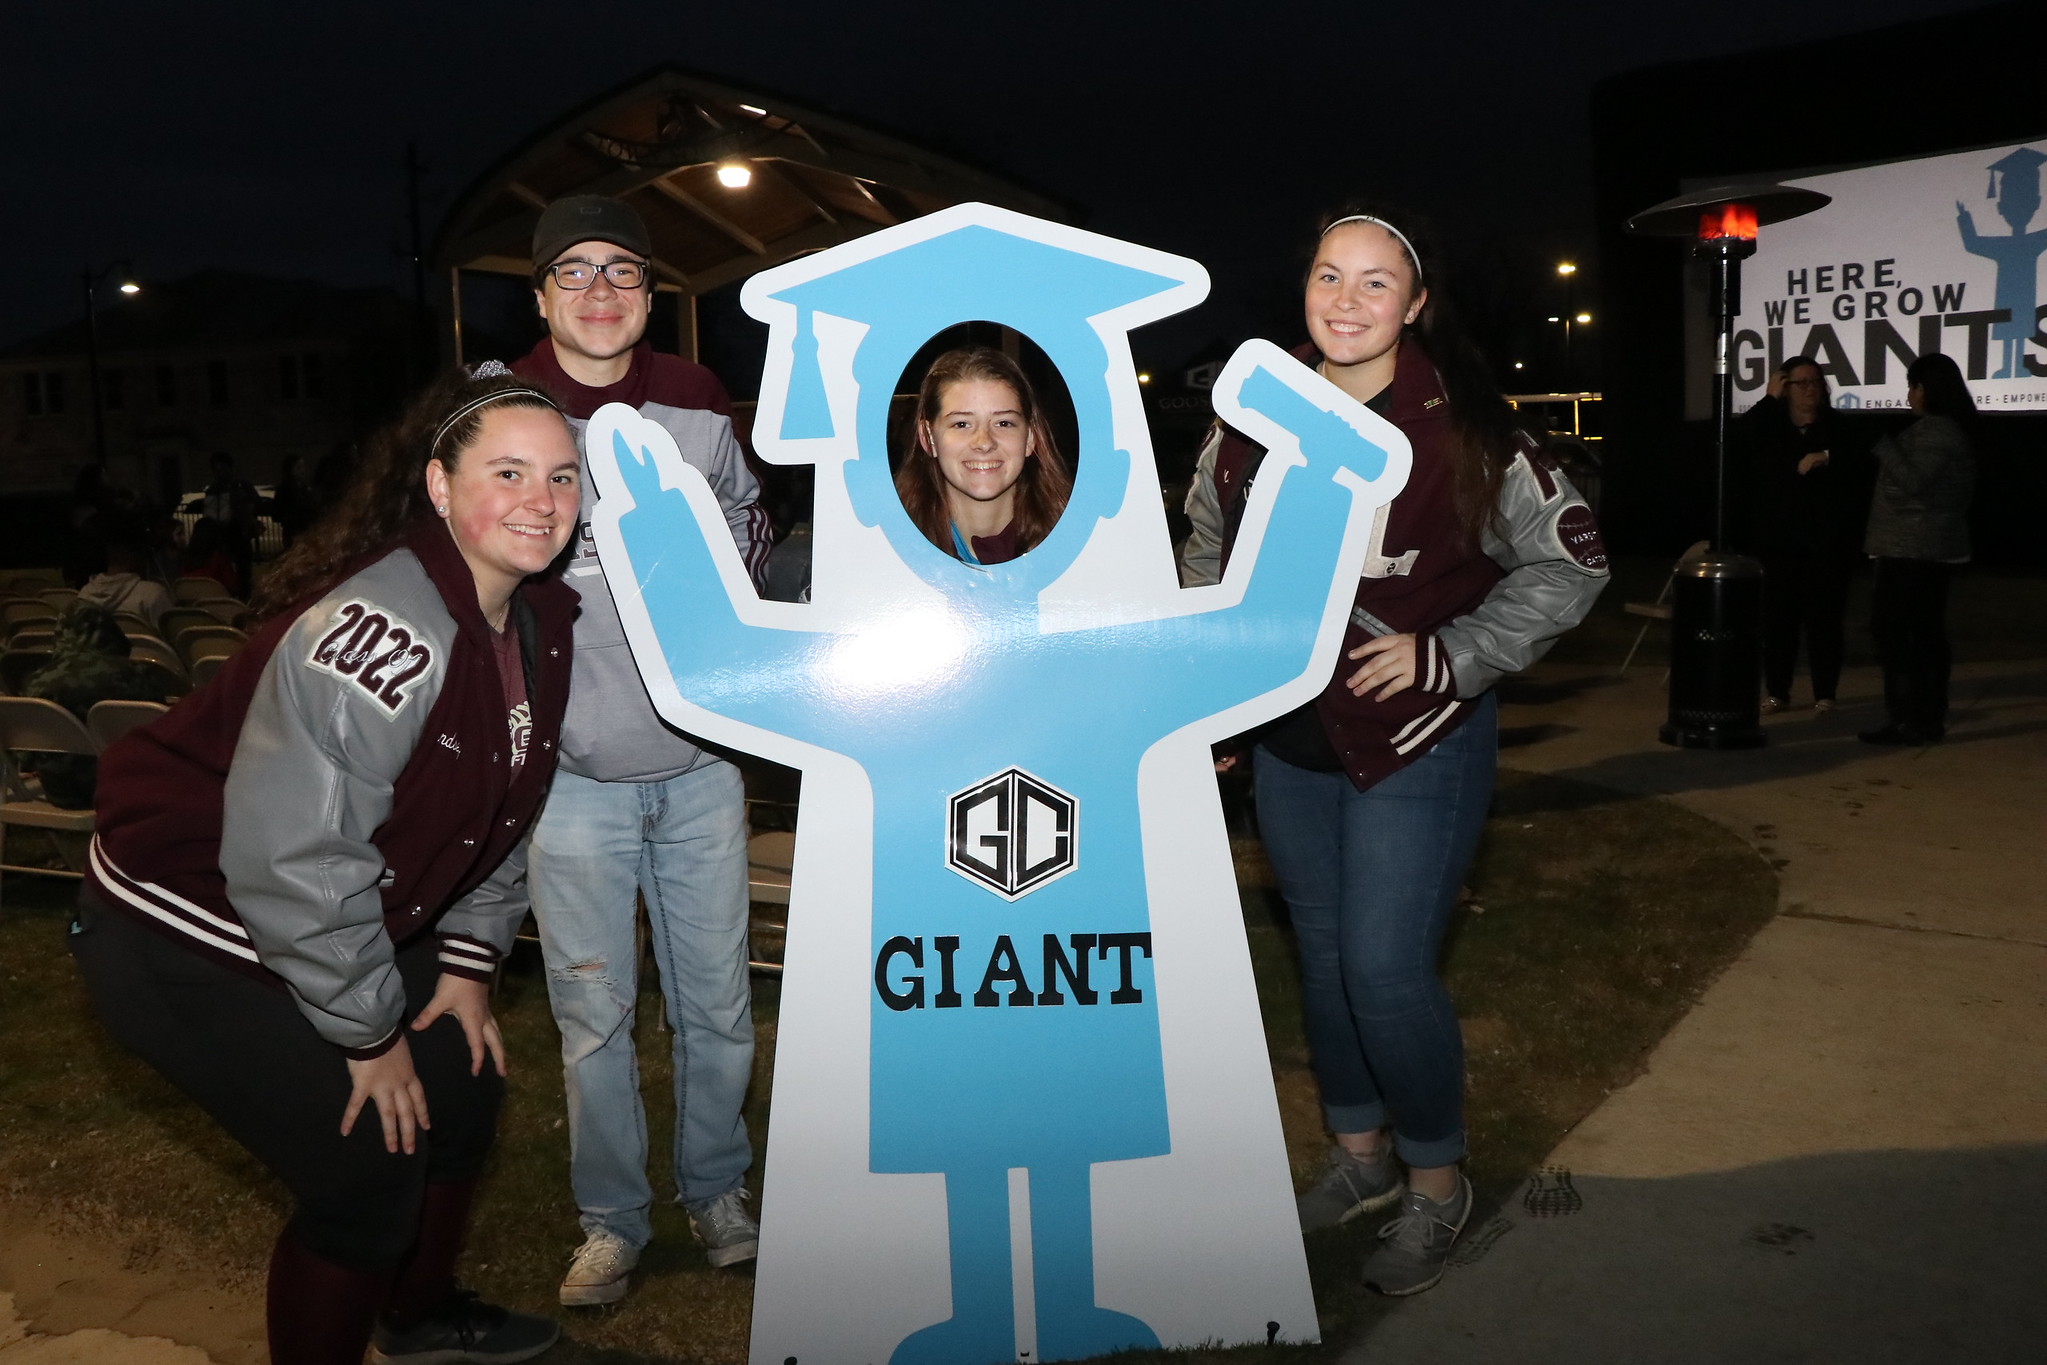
1417 731
458 952
164 906
760 533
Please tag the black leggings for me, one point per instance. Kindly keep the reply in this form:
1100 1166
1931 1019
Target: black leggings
1804 595
244 1053
1908 616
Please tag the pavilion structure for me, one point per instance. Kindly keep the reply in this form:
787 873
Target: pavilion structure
728 181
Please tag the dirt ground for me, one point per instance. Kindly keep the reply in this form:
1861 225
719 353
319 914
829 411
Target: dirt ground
68 1297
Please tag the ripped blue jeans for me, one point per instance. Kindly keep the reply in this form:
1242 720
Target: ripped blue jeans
681 843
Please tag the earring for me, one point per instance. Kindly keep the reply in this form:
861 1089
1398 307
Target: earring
442 509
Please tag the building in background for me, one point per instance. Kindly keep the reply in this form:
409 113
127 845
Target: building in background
261 369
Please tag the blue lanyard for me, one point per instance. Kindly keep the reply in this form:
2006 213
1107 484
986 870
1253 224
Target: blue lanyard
961 548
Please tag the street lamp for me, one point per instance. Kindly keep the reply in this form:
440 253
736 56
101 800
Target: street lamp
1567 271
1569 320
1716 653
89 280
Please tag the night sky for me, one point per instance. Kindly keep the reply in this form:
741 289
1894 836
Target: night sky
270 137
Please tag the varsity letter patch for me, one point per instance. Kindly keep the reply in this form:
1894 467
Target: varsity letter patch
377 652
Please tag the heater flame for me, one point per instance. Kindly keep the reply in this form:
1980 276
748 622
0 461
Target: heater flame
1728 220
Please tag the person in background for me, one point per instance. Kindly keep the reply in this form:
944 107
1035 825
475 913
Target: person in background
297 502
231 503
1371 798
88 664
206 556
305 875
1918 533
640 811
122 586
1808 491
983 478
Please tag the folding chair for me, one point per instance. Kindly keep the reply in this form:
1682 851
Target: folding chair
229 611
33 725
196 588
107 721
1659 610
770 858
181 618
57 599
26 612
151 649
199 642
29 582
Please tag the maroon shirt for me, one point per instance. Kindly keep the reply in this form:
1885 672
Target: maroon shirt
651 378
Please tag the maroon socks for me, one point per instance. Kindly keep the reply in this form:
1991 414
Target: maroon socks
428 1276
320 1313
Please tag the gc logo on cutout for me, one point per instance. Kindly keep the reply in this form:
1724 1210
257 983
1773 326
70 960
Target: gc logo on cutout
1012 833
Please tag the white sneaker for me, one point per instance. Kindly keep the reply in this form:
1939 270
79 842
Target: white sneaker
726 1229
599 1271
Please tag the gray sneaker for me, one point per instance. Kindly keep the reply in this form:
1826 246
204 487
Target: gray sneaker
726 1229
1415 1244
600 1271
1346 1188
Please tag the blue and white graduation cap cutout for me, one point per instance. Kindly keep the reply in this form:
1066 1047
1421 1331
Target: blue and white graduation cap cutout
844 323
1052 1165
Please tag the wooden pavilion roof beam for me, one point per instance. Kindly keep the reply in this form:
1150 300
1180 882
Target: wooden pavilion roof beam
795 186
810 239
867 193
671 190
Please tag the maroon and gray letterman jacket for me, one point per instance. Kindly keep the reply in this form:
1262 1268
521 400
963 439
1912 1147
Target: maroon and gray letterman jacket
1476 614
345 783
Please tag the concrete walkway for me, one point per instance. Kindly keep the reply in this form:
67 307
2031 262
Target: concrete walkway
1841 1153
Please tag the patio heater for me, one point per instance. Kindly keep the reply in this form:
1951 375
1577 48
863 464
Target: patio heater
1716 623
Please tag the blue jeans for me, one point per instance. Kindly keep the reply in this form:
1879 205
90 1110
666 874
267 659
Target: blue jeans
681 843
1370 879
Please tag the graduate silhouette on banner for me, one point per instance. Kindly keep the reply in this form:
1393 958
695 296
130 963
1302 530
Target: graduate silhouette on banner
1022 1104
2015 184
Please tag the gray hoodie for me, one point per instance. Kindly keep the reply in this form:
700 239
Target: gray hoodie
612 733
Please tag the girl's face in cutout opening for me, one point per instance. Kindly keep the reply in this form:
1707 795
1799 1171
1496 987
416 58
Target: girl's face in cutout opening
980 439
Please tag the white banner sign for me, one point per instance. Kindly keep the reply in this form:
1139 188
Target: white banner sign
1942 253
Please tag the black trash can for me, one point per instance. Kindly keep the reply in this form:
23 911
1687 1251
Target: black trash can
1716 653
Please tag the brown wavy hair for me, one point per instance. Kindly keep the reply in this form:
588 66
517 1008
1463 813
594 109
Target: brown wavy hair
388 491
1486 434
1041 490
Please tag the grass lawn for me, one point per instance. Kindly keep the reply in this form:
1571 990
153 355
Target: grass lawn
1595 920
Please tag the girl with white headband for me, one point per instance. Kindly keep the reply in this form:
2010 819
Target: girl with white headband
1372 797
306 873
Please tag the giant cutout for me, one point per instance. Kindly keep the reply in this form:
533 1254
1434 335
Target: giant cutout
1022 1105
